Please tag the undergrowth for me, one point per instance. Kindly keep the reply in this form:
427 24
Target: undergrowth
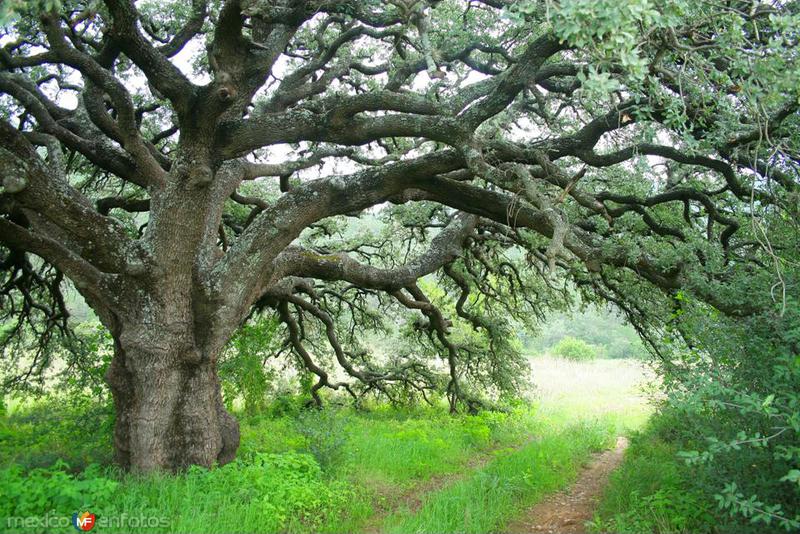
309 471
652 492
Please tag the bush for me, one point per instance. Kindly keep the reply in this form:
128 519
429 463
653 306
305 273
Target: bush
575 349
54 489
55 428
241 370
736 396
325 435
269 493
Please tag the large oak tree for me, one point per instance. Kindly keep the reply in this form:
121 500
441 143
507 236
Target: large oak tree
184 165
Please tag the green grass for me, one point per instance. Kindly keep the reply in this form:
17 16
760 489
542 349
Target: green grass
38 434
267 493
278 484
393 445
285 492
325 471
485 500
405 447
570 391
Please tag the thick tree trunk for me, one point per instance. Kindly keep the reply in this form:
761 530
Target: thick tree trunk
168 404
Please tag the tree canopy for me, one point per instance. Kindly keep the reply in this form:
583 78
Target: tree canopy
188 165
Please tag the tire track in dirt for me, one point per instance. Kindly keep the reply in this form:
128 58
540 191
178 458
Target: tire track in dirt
567 511
413 497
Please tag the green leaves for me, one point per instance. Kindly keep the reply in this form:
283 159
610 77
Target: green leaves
53 489
753 508
792 476
597 84
13 9
242 370
585 22
612 30
742 415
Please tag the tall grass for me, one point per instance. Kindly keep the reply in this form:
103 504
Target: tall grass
318 472
571 391
403 447
271 493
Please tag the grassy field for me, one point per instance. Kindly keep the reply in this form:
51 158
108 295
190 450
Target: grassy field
619 390
418 470
489 497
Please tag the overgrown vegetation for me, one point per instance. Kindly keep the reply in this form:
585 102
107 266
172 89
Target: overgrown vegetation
308 470
652 491
722 455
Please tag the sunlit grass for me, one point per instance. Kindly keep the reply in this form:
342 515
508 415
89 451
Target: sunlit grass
416 448
619 390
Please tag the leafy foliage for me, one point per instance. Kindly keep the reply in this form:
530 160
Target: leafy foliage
632 149
243 370
575 349
731 418
71 428
51 490
449 171
325 436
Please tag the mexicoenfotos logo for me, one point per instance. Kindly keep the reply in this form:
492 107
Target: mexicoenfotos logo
83 521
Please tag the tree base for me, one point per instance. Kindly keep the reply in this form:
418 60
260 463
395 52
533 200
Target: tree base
170 413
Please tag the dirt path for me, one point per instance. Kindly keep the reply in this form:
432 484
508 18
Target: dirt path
566 512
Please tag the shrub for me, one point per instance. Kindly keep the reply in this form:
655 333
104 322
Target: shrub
267 493
263 433
325 435
736 397
55 428
575 349
242 370
53 489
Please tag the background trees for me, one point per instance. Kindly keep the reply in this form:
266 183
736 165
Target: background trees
186 165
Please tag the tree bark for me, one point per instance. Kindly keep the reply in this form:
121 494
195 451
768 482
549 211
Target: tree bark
168 403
